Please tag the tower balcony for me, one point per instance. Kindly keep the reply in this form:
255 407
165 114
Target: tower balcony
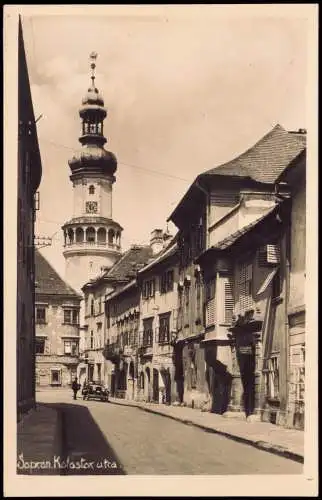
82 245
92 233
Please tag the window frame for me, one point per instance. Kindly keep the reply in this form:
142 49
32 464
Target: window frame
147 337
164 328
57 371
42 341
41 321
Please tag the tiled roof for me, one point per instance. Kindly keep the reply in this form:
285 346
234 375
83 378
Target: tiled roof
126 267
267 159
264 162
167 252
48 280
227 242
86 219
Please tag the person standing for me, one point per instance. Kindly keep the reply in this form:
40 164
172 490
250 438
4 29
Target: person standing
75 387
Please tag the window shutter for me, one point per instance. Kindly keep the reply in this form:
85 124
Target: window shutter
268 255
211 312
273 254
229 300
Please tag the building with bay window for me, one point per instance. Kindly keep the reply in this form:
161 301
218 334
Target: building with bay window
219 210
57 308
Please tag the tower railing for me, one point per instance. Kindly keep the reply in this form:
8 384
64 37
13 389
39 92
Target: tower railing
98 244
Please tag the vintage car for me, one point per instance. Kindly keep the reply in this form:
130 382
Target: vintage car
95 390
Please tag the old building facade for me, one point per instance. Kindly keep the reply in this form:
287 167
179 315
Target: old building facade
295 177
57 308
246 272
97 330
158 282
122 309
28 177
191 218
231 199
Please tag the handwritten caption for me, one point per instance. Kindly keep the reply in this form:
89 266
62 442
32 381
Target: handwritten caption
67 463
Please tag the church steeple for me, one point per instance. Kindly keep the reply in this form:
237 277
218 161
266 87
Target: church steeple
93 157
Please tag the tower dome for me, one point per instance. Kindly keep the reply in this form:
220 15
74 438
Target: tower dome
93 158
92 239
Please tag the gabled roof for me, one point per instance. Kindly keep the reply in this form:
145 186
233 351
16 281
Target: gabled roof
126 267
267 159
167 252
262 163
48 281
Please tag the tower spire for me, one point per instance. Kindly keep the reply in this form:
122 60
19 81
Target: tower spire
93 57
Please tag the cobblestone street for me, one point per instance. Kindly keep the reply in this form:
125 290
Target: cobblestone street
143 443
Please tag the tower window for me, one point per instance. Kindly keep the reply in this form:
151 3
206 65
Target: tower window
91 189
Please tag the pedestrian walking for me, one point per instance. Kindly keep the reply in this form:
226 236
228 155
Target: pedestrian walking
75 388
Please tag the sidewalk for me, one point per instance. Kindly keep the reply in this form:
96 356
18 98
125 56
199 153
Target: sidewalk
38 440
269 437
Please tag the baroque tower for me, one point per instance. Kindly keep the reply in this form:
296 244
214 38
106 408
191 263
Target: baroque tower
92 239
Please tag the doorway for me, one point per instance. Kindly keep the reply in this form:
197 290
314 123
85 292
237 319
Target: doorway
155 394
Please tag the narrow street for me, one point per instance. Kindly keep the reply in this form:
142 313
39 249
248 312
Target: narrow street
142 443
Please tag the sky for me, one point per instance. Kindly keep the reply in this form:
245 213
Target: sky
184 94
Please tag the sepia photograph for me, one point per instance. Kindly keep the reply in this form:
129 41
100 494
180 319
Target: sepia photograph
160 220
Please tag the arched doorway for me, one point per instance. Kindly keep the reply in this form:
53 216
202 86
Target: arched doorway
155 386
90 235
111 236
70 236
131 380
167 385
147 385
101 236
79 235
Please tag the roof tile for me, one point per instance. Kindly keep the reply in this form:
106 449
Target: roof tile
264 161
129 262
48 280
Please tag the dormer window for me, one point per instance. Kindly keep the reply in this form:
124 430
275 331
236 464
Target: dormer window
91 189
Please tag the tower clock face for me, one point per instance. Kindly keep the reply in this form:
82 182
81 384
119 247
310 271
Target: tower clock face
91 207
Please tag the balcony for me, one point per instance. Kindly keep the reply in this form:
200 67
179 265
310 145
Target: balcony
112 352
79 245
146 349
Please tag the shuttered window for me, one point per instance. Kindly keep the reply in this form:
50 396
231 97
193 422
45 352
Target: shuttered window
245 287
297 375
269 255
211 303
225 199
228 299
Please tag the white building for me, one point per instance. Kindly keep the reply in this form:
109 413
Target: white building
92 239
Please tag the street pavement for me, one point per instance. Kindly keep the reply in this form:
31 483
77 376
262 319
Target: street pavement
111 438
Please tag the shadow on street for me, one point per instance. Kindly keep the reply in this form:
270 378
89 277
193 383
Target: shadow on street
84 444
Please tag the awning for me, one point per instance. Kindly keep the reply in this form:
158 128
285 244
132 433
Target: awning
267 281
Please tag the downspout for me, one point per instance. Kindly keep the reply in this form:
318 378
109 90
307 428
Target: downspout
207 196
286 252
286 329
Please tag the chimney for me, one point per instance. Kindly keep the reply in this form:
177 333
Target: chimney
166 237
156 241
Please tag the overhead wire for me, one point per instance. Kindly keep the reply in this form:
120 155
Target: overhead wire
131 165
